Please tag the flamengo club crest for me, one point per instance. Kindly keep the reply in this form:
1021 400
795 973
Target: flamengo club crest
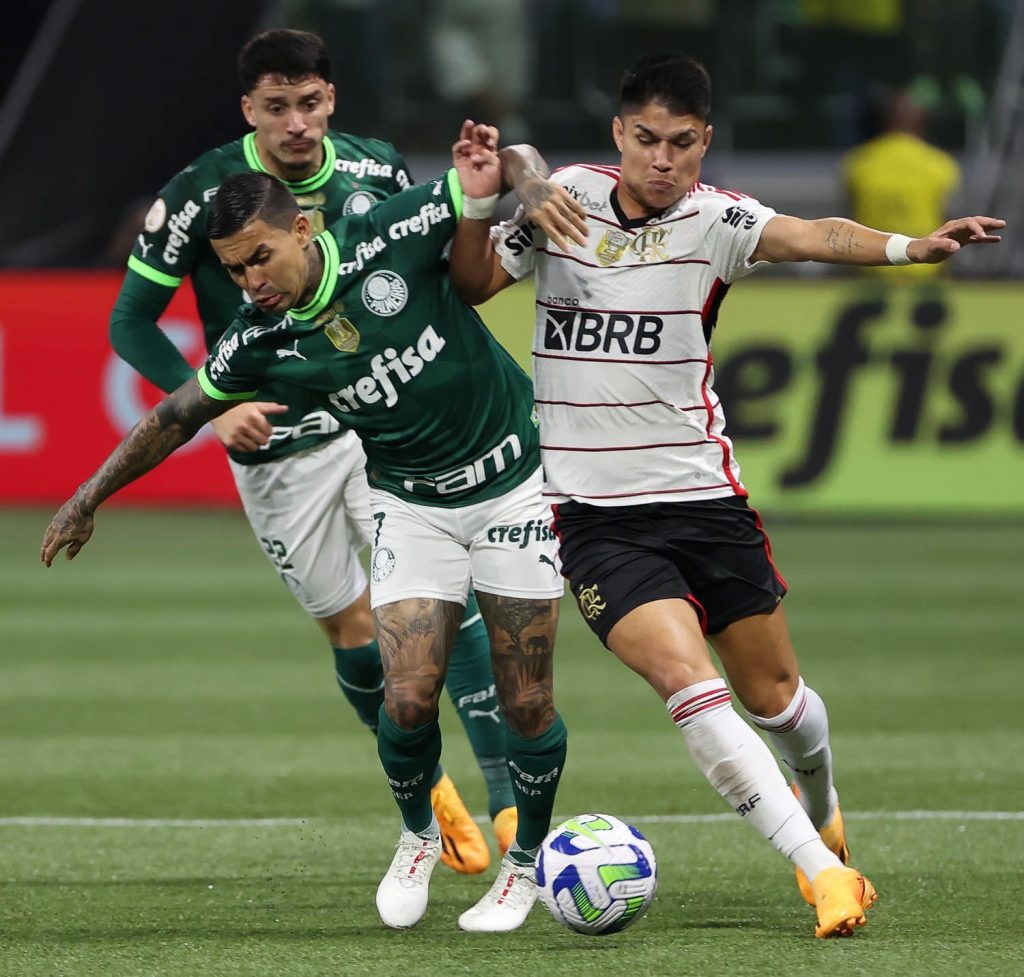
385 293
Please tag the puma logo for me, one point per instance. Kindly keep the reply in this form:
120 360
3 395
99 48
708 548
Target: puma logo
294 351
547 559
485 714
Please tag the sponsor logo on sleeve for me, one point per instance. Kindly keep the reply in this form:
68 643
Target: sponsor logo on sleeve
520 241
155 216
738 217
362 168
226 348
421 223
358 203
177 227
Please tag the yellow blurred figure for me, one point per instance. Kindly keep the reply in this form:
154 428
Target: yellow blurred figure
899 180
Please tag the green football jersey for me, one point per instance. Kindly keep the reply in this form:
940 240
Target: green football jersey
356 174
444 412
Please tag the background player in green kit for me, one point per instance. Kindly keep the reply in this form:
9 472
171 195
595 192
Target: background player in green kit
301 480
370 326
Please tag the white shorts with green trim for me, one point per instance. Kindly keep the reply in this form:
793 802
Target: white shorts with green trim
504 546
311 513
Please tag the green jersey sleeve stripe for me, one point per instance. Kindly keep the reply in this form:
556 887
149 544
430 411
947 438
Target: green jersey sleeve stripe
211 391
141 268
455 189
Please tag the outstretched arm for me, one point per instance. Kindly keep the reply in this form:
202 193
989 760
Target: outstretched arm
835 240
166 427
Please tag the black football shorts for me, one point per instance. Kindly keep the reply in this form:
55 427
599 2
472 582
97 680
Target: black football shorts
714 554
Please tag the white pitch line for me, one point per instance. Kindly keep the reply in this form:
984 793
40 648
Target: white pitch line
724 818
41 822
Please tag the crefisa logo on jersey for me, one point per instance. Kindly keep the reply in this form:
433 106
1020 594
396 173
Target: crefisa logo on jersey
358 203
382 564
385 293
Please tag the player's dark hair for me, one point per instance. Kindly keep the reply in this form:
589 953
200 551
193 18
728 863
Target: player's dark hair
678 82
245 197
294 55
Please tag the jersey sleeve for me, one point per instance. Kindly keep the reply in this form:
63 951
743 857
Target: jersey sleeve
172 233
422 219
732 228
230 371
138 339
515 242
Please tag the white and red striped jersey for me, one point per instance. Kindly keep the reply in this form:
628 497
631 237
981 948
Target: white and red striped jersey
622 348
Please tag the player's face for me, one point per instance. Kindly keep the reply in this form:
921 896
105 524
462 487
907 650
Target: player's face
290 119
269 263
661 157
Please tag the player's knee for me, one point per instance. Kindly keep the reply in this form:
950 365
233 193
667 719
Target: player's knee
529 712
771 695
411 702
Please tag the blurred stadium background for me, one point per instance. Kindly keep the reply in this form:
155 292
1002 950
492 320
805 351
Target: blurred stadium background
880 420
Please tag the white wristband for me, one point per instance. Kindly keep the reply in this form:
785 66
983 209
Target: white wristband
479 208
896 249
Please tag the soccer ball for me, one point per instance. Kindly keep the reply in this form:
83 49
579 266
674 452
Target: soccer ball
596 874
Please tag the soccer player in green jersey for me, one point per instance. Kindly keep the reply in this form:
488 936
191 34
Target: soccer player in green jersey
299 472
363 317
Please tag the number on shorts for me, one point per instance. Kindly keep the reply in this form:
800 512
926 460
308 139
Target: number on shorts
277 552
378 517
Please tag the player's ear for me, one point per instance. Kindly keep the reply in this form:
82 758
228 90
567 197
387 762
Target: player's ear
617 132
301 229
330 99
709 131
247 111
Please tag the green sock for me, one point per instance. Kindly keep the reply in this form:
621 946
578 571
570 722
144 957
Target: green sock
409 756
470 684
536 765
361 680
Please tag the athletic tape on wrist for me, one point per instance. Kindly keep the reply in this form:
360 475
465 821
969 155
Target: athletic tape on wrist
896 249
479 208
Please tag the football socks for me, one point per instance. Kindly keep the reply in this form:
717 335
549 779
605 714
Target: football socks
739 765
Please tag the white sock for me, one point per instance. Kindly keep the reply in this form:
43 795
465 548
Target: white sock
738 764
800 734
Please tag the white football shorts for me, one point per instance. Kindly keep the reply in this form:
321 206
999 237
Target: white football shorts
311 513
504 546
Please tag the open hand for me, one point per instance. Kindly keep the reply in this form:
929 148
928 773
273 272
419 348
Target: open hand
952 236
475 156
555 211
71 527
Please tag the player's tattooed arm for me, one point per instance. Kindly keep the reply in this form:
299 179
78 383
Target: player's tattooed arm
167 426
415 638
553 209
522 636
836 240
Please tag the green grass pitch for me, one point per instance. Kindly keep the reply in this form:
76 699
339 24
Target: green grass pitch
167 674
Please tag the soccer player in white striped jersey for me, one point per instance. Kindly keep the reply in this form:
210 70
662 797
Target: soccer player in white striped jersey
656 537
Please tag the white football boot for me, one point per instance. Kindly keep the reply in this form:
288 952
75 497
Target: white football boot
402 893
507 903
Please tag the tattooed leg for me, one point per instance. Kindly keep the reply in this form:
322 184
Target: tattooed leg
415 638
522 645
522 634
